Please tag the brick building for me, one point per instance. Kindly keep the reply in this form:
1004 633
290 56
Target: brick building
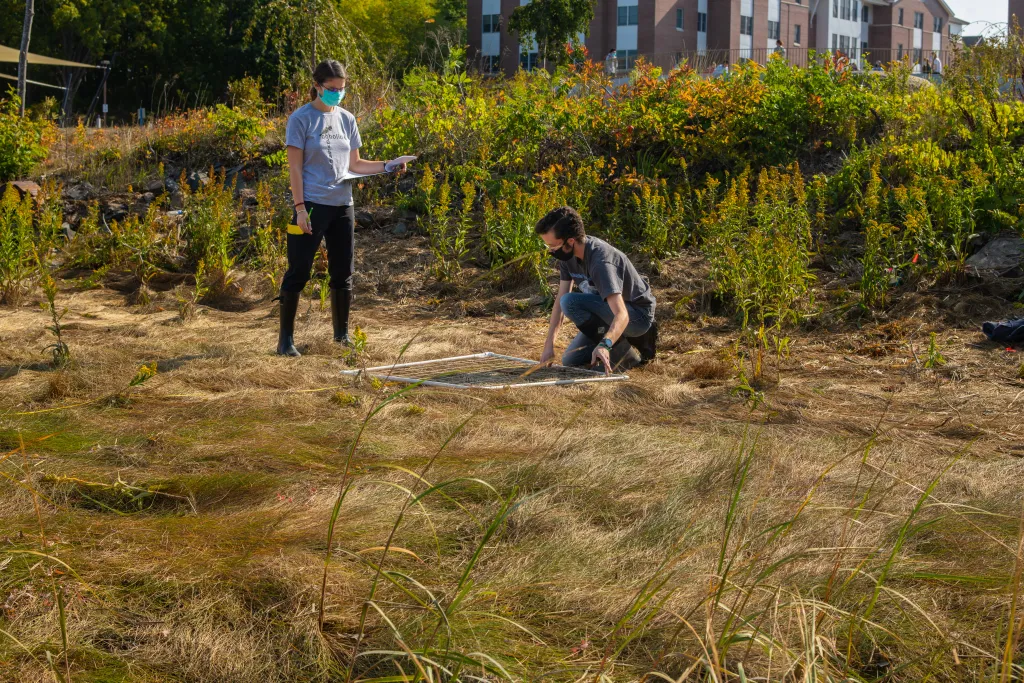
725 31
1016 9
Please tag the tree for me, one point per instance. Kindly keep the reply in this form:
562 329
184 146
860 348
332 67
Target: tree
396 29
452 13
553 24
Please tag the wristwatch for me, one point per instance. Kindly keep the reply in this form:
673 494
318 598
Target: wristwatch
606 343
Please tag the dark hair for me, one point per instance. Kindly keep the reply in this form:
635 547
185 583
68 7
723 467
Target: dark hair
564 220
327 69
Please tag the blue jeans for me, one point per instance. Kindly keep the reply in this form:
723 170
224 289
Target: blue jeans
593 316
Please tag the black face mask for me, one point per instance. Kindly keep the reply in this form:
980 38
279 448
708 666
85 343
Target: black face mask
561 254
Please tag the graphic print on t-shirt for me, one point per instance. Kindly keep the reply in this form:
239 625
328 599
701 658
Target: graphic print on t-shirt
326 137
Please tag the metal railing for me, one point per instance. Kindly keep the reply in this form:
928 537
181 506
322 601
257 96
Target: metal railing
708 61
714 62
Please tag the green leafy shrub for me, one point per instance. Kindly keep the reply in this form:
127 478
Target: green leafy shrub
241 131
759 250
16 244
210 224
24 142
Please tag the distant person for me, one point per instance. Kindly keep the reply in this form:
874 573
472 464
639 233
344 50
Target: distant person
614 307
720 70
323 144
611 62
779 49
936 68
878 66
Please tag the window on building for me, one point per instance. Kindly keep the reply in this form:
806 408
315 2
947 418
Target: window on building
835 41
702 22
864 14
796 34
491 64
854 10
628 15
844 9
492 23
937 24
746 25
918 20
900 17
679 20
835 8
627 58
773 30
899 51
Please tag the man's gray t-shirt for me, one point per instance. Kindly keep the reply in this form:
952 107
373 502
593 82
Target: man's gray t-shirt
605 271
325 138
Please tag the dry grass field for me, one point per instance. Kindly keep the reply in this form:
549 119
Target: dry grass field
856 516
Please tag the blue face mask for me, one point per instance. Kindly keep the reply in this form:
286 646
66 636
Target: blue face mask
332 99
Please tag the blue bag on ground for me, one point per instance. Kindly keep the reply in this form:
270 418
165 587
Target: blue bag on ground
1008 331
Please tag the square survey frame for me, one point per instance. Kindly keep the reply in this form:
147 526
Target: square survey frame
483 371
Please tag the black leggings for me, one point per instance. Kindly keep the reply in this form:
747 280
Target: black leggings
335 225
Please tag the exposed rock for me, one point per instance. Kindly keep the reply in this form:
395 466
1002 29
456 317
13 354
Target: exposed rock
115 211
915 83
400 230
364 219
155 186
26 187
80 192
1001 256
196 179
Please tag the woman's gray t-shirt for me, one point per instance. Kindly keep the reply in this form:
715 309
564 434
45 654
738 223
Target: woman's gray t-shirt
325 138
605 271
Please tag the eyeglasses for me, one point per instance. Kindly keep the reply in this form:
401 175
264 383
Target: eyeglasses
332 89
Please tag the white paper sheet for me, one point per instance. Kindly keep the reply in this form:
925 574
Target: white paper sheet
349 175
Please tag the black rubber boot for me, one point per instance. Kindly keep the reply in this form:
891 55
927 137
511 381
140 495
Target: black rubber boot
623 356
594 328
285 340
341 301
646 343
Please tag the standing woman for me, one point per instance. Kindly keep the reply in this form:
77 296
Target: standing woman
323 145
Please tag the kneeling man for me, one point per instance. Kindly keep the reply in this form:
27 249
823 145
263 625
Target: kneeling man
613 308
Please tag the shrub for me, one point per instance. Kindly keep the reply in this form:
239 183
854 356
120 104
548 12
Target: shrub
23 141
239 131
209 228
759 250
647 213
16 244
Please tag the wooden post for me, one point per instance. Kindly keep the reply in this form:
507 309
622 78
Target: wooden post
26 34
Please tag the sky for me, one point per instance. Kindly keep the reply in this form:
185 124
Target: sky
982 13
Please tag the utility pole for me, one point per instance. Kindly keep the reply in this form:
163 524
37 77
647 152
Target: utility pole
106 71
26 34
314 13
